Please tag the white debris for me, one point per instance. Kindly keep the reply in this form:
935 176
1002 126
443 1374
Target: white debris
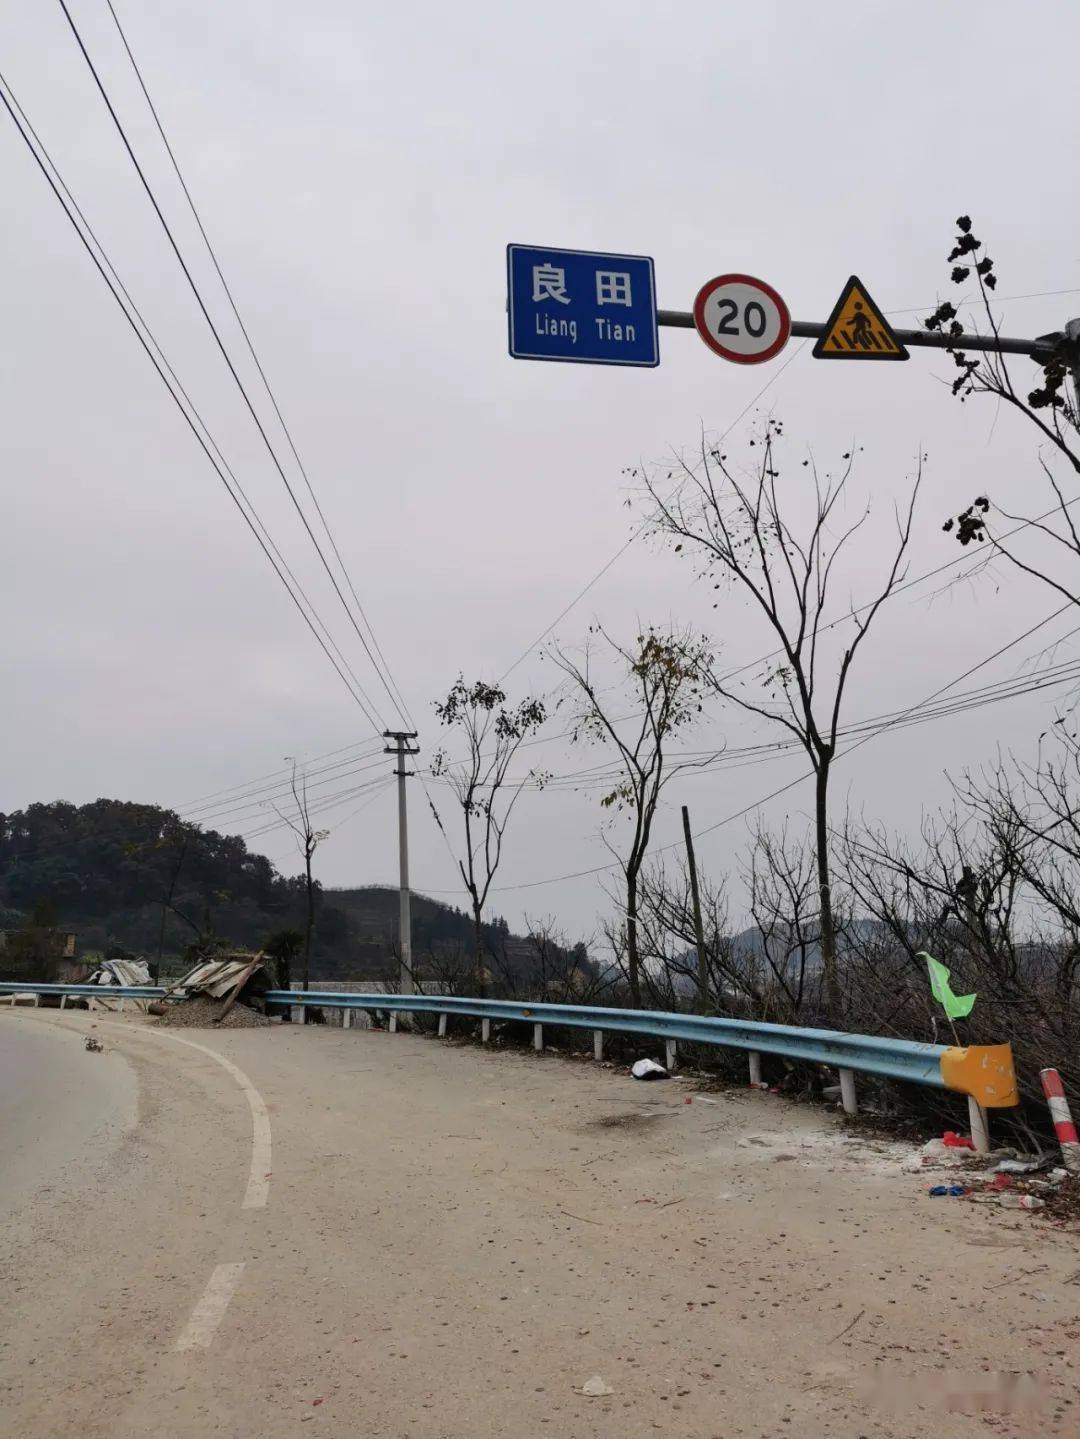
648 1069
936 1154
595 1387
113 972
1024 1166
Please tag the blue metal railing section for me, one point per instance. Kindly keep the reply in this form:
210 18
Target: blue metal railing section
99 991
872 1054
984 1073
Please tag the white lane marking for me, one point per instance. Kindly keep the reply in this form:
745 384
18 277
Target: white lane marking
199 1331
258 1185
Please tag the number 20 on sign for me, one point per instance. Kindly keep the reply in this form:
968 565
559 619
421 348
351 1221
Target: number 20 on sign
742 319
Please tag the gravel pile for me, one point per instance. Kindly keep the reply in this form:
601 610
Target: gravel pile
201 1012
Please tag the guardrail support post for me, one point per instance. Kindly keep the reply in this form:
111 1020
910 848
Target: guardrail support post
980 1126
755 1067
485 1030
598 1045
346 1019
671 1054
847 1091
63 1001
392 1027
296 1011
538 1037
442 1026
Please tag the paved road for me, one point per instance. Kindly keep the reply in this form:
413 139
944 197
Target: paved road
449 1243
56 1111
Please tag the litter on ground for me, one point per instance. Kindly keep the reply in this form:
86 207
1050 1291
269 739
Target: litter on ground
648 1069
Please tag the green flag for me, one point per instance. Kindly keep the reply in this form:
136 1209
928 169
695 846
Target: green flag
956 1006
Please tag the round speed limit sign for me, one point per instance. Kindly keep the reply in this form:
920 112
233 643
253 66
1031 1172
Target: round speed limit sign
742 319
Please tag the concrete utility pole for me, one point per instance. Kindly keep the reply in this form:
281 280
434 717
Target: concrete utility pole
401 748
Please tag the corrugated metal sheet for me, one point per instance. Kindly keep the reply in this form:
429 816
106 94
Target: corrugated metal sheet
215 977
126 972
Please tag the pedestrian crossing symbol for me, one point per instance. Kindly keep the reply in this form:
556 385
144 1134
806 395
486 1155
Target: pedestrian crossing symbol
857 330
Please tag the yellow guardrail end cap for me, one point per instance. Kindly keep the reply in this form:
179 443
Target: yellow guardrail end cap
985 1071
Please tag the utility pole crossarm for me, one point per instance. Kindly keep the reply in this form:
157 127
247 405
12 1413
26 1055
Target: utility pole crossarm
1042 348
402 748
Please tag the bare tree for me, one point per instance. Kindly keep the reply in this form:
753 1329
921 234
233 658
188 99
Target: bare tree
1048 407
993 891
664 672
176 835
480 780
307 841
736 528
179 836
784 894
560 971
669 942
1032 811
450 964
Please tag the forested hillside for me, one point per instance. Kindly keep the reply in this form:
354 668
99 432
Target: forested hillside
136 877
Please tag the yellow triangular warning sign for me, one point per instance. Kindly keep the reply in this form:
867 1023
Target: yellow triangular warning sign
857 330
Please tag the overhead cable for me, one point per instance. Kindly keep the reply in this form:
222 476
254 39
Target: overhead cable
159 366
220 343
396 697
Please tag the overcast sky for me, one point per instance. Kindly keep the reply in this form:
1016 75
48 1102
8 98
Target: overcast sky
360 169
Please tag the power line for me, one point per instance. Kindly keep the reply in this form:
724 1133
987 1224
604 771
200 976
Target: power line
272 774
636 535
934 695
5 91
748 756
799 779
243 805
221 345
396 697
325 804
642 527
595 776
347 818
998 300
277 784
179 385
976 561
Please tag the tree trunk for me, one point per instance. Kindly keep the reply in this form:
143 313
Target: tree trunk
310 925
478 945
167 904
833 1001
161 937
632 962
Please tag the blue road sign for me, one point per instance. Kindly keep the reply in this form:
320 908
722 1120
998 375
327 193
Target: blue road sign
580 306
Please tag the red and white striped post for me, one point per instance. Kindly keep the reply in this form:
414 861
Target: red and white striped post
1064 1127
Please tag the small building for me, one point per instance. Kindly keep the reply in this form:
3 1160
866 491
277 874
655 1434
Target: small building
38 953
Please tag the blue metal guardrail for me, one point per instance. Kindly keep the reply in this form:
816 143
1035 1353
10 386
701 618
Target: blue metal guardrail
984 1073
98 991
872 1054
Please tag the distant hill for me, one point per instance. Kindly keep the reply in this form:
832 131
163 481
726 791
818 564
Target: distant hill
373 910
135 877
